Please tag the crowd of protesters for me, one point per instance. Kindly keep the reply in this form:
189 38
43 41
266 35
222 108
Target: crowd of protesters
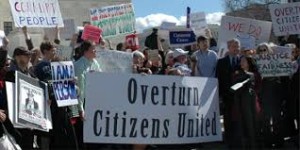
260 114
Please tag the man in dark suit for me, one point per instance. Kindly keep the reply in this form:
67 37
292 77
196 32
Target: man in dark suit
225 70
31 105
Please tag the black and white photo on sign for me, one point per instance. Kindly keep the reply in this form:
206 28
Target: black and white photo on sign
31 103
28 99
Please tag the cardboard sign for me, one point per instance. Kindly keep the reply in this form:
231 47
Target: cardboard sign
285 18
36 13
151 109
63 83
181 37
234 27
114 20
277 64
91 33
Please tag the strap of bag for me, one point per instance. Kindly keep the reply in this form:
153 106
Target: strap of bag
9 137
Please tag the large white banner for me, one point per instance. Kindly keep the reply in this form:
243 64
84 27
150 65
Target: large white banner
114 61
285 18
139 109
250 32
277 64
36 13
114 20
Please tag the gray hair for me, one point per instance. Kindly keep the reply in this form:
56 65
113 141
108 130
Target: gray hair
268 49
234 40
138 54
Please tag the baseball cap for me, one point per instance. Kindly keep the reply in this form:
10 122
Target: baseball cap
178 52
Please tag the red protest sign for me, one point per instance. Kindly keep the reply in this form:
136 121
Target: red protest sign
132 42
91 33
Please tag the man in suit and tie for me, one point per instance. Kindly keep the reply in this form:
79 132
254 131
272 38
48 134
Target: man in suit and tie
225 70
30 104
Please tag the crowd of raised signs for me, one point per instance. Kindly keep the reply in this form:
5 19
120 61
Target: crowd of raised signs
259 108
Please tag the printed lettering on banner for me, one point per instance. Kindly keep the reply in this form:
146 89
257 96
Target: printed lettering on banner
151 109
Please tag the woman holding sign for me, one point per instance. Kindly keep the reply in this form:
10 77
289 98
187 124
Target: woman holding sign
273 94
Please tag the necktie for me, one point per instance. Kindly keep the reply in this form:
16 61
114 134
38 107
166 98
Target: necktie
233 62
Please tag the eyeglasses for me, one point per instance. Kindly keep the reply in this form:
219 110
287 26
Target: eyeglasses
263 50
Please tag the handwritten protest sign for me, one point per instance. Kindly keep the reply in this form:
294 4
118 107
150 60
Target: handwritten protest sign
114 61
114 20
63 75
181 37
277 64
151 109
198 22
36 13
91 33
30 103
233 27
285 18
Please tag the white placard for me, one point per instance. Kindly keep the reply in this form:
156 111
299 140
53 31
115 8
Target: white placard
234 27
114 61
139 109
63 83
198 22
285 18
36 13
277 64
